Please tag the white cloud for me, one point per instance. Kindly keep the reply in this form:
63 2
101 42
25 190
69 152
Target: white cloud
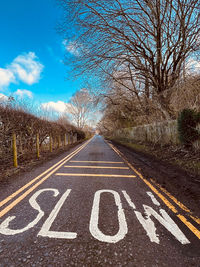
72 47
6 77
193 65
3 98
23 93
25 68
58 106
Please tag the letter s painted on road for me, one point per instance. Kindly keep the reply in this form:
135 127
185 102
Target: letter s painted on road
4 226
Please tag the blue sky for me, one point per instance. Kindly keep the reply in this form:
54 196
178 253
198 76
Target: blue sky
31 52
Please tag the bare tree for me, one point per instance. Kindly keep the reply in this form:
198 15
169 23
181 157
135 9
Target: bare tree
150 38
80 107
187 94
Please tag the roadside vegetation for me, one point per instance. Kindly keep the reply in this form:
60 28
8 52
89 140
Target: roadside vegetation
27 139
188 160
146 54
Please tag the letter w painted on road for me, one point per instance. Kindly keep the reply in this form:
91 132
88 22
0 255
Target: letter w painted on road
165 220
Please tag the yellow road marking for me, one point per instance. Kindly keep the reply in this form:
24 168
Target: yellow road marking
197 220
182 206
167 203
98 167
189 225
3 202
170 196
85 161
15 202
94 174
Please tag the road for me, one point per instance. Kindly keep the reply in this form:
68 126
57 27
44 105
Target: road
92 208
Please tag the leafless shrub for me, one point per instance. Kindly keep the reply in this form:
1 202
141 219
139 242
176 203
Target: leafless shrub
26 126
186 94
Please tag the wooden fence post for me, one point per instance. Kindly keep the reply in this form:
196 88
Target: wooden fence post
54 142
37 146
50 143
68 138
65 139
59 141
14 145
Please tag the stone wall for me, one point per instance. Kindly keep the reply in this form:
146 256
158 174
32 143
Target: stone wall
158 133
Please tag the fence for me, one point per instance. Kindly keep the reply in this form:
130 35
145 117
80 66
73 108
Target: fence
24 136
17 150
158 133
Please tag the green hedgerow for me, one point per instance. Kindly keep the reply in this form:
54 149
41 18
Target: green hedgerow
187 122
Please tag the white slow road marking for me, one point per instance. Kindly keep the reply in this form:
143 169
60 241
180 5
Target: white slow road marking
46 226
4 226
165 220
145 220
94 219
154 200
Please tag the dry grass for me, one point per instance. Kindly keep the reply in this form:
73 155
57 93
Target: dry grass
188 160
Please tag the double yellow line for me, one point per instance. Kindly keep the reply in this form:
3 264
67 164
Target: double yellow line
44 176
163 198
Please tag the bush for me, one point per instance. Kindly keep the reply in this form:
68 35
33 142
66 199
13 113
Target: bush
26 126
187 122
80 135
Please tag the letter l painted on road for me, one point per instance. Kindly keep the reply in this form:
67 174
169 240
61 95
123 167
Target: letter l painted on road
47 224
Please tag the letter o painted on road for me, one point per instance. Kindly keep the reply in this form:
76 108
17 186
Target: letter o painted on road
94 220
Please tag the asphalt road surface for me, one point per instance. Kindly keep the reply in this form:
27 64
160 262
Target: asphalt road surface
92 208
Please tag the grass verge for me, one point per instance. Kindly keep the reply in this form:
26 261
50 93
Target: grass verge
27 164
188 160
